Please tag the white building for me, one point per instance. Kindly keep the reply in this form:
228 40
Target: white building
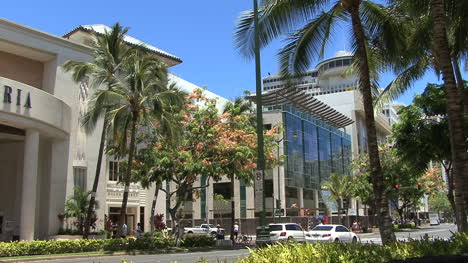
329 83
44 152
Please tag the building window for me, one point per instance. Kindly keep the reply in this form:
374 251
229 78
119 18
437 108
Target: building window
291 192
114 171
223 189
79 177
268 188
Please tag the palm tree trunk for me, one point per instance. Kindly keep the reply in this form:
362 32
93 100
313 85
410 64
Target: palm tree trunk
454 110
449 177
128 176
233 208
461 87
385 222
92 200
153 205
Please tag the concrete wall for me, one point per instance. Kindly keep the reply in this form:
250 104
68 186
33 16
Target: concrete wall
21 69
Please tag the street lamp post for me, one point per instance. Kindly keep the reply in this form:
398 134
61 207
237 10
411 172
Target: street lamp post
258 101
279 180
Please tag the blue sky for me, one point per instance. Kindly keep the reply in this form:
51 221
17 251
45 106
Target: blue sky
199 32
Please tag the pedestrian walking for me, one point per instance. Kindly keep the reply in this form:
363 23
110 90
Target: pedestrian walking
138 230
124 230
236 230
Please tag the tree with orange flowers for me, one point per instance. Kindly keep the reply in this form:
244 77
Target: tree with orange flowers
210 145
238 145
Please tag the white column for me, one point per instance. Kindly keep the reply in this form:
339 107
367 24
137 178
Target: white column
59 181
301 197
316 202
29 191
237 199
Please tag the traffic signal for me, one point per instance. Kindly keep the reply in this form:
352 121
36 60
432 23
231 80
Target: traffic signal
396 187
419 185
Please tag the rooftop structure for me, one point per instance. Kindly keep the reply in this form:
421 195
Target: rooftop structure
77 35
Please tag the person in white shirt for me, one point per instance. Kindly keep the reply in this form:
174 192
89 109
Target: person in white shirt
236 230
124 230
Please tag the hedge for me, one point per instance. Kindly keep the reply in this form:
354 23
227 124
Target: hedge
357 253
194 240
25 248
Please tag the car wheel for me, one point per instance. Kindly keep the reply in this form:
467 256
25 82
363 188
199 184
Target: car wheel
337 240
354 240
189 232
290 238
213 234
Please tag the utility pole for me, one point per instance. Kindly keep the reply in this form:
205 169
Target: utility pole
258 101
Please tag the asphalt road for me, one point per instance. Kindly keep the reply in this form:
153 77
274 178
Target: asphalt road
211 256
440 231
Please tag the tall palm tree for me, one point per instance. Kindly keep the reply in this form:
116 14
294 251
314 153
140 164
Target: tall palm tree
140 92
278 17
166 128
239 107
454 110
438 40
110 51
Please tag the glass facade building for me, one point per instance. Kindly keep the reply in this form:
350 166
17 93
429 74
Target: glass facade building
313 150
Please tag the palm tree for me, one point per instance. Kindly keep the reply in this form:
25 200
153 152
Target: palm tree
367 19
434 44
454 110
168 129
77 205
109 53
139 93
238 108
340 189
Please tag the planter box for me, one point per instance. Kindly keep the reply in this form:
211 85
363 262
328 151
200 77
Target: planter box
71 237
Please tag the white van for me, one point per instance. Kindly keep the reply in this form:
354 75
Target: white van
434 219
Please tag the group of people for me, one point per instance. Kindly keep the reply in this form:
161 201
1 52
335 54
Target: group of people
112 229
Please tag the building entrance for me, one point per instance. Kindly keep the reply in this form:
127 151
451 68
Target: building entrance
11 172
114 215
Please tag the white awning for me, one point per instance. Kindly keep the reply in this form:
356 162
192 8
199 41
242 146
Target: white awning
306 103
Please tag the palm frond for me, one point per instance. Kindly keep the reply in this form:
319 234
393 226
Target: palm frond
276 17
309 42
403 81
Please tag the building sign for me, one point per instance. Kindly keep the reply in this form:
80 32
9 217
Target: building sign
16 96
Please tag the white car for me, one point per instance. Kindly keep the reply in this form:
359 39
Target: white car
286 232
203 229
331 233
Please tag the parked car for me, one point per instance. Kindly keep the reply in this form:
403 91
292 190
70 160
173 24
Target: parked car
286 232
204 229
434 219
331 233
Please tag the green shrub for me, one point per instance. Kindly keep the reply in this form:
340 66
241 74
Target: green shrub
24 248
358 253
194 240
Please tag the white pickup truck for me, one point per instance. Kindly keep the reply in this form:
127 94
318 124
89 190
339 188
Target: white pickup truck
203 229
